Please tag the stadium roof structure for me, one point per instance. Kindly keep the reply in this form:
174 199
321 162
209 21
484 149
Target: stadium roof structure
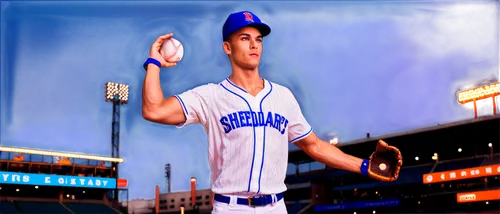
472 136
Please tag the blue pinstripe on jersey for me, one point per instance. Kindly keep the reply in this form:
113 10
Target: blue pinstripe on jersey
235 85
264 138
254 138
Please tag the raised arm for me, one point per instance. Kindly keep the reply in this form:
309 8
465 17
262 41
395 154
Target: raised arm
155 107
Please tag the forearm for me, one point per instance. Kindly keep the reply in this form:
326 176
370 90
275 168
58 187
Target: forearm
152 95
333 157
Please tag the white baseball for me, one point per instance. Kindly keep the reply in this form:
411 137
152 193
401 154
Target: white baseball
382 166
172 50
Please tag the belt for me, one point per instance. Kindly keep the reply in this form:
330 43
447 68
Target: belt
261 200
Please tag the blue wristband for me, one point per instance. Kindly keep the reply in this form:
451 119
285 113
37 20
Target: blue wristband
151 60
364 167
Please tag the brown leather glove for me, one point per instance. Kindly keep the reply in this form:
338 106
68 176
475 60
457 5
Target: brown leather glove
385 163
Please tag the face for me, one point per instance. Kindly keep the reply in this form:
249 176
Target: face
244 48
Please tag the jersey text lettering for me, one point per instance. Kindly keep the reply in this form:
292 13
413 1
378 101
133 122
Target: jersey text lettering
253 119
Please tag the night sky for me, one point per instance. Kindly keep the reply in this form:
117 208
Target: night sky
354 67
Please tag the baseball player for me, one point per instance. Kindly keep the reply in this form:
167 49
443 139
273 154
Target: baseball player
250 122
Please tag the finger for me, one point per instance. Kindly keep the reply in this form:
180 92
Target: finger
162 39
381 146
170 64
394 149
397 171
166 36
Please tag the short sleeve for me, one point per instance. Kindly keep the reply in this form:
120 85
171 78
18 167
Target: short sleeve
195 103
298 127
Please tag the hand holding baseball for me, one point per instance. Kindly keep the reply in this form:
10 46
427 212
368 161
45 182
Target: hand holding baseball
154 52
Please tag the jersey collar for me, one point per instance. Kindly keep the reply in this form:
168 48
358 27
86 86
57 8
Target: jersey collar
236 89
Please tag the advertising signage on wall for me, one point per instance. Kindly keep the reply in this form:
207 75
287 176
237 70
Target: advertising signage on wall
459 174
56 180
478 196
357 205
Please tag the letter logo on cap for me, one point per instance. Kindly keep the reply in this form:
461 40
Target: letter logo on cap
248 16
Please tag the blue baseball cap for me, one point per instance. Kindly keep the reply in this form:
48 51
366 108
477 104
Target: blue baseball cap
242 19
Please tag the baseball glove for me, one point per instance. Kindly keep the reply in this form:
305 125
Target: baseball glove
385 162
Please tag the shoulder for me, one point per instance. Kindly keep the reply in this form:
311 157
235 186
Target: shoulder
280 89
207 87
205 90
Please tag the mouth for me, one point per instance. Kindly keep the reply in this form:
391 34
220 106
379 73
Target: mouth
254 55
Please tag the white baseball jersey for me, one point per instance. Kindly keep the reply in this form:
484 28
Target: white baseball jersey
248 136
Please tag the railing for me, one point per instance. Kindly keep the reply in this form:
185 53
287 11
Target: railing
319 171
54 168
10 156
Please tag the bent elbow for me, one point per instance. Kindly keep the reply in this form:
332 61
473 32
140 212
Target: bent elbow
150 115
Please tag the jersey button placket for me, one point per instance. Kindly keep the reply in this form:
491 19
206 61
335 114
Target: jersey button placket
259 136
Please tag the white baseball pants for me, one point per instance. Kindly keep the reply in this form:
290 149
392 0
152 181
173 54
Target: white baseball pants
223 208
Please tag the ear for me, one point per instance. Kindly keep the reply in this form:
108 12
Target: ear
227 47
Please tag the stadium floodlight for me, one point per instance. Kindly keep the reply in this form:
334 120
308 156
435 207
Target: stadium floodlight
416 158
490 90
459 149
481 92
60 154
334 141
116 92
490 145
435 157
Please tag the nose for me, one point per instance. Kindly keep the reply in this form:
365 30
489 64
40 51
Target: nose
253 44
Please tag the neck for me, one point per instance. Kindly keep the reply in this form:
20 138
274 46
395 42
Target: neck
247 79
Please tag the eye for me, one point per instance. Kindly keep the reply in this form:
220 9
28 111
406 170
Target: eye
259 40
244 38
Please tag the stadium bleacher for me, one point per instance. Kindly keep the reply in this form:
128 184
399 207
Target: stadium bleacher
296 206
459 164
40 207
89 208
46 206
8 207
352 193
34 182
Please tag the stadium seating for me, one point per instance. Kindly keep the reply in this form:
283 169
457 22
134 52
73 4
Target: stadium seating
89 208
40 207
460 164
318 174
295 207
8 207
406 176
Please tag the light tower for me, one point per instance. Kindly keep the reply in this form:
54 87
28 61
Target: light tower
167 175
116 93
474 98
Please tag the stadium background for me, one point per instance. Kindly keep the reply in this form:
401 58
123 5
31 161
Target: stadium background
356 67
